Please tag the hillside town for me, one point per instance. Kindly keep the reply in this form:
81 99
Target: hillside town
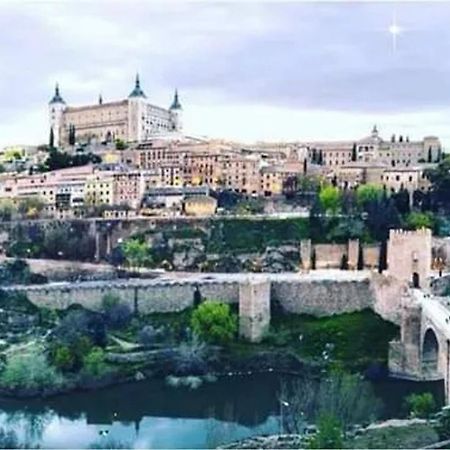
130 158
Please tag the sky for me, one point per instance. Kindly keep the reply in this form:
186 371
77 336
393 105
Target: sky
245 70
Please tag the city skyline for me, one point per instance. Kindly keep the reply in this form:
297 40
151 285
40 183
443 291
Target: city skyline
252 71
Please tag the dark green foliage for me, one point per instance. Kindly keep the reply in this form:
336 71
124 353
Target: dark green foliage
245 235
329 433
360 263
51 140
344 262
336 335
61 160
81 324
117 315
421 405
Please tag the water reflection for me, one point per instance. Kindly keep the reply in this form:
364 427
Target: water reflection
152 415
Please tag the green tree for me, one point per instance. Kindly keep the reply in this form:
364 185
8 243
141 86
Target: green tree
51 140
94 362
421 405
214 322
330 199
63 358
329 433
367 193
136 253
417 220
120 144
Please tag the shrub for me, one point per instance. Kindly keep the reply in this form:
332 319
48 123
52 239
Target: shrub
190 357
149 335
117 315
29 371
63 358
443 423
330 199
79 324
94 362
418 220
421 405
329 433
214 322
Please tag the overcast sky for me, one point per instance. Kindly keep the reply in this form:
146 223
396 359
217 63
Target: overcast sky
250 71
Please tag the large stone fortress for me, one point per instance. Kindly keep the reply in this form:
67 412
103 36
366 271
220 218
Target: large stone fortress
133 119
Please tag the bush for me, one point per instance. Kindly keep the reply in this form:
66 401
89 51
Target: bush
94 363
214 322
191 357
63 358
149 335
329 433
421 405
117 315
29 371
79 324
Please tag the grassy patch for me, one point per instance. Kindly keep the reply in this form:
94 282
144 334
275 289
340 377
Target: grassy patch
357 339
413 436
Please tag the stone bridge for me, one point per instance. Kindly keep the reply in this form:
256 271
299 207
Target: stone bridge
423 351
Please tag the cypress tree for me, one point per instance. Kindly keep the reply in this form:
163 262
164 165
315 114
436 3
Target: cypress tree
313 259
354 152
360 263
51 141
344 262
382 260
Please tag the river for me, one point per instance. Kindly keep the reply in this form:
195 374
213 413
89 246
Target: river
150 414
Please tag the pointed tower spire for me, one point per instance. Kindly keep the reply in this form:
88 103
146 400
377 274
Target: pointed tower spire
57 97
176 102
137 91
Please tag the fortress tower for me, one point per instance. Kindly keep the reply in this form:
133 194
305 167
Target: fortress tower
56 109
409 256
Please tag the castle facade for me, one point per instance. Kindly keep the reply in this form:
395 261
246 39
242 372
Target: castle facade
133 119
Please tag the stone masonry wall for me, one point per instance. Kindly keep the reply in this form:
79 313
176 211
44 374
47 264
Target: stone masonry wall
324 297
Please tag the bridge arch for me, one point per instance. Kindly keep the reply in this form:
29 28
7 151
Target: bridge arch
430 352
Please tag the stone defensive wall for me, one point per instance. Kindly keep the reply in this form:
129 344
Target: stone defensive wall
319 293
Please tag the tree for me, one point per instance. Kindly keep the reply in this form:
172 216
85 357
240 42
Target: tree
72 137
51 140
330 199
354 156
329 433
94 362
136 253
117 315
63 358
344 262
214 322
418 220
120 144
421 405
430 155
360 263
382 258
368 193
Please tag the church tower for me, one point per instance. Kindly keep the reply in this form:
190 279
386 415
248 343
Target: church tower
56 110
176 113
136 112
